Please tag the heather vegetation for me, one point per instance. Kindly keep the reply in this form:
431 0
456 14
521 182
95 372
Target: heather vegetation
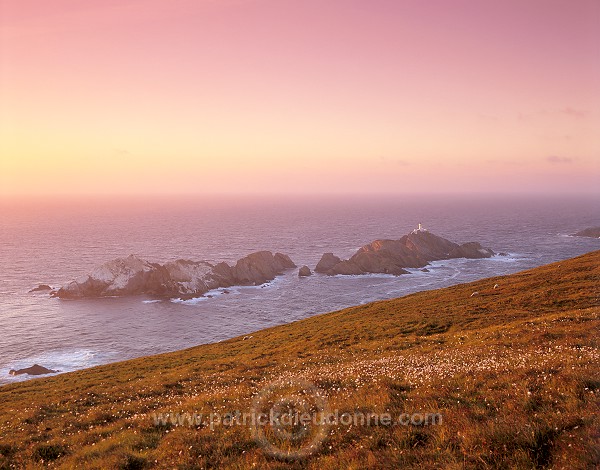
512 370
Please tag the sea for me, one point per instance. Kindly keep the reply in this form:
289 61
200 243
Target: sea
55 240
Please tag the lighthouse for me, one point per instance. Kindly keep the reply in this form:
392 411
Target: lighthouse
420 228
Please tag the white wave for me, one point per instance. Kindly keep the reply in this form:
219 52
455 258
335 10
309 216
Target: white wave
193 301
564 235
211 294
511 258
228 291
419 271
66 360
366 276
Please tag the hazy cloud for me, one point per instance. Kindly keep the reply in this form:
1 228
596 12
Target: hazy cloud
505 162
557 159
567 111
576 113
396 161
488 117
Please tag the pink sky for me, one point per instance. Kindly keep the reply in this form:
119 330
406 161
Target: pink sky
185 96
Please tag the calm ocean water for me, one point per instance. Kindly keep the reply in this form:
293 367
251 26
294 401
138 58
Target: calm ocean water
55 242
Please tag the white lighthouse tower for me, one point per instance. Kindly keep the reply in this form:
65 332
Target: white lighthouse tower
420 228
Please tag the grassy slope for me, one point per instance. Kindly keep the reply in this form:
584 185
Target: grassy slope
514 372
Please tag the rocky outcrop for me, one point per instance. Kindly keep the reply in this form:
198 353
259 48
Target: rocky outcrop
304 271
414 250
260 267
592 232
327 263
471 250
181 278
35 369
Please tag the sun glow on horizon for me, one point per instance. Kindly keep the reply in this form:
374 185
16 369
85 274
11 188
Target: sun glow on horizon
299 97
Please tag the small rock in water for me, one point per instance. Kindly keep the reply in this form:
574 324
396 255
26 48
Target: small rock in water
592 232
304 271
35 369
41 288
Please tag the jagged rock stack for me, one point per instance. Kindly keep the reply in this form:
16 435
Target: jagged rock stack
414 250
187 279
181 278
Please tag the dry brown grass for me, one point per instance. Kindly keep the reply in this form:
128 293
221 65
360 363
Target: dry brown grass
514 372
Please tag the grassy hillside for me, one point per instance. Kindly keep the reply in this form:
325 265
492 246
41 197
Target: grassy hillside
513 371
